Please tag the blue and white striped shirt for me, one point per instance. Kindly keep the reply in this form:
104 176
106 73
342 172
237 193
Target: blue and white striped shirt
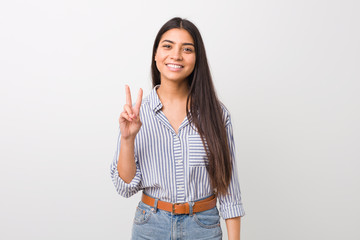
172 167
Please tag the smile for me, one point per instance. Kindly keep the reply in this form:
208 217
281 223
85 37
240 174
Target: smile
174 66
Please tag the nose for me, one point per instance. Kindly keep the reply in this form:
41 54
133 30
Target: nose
176 54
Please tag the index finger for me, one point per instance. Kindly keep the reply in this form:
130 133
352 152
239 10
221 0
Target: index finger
128 95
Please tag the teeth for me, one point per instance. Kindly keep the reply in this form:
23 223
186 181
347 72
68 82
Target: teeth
174 66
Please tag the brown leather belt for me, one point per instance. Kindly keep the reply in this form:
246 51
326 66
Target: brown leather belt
181 208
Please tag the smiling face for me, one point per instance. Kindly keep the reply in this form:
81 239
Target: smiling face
175 56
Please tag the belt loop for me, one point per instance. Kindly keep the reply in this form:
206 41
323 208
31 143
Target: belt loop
155 205
191 205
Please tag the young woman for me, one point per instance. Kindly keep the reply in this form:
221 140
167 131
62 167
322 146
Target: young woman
177 146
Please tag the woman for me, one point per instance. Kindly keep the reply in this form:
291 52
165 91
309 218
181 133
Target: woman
177 146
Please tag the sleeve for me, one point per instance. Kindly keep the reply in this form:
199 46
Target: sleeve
231 204
123 188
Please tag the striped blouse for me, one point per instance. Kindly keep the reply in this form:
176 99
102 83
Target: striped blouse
172 167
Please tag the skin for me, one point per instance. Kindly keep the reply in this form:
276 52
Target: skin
130 125
233 228
176 47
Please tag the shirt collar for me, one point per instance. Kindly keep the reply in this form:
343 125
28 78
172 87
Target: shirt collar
154 100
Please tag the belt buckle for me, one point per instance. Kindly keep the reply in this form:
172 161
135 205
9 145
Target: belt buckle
173 208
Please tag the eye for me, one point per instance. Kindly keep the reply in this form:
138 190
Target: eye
189 50
166 46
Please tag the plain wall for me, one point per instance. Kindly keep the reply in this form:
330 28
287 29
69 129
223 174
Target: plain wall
288 71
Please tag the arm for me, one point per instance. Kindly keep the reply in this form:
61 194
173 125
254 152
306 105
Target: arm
233 228
129 187
231 208
126 163
124 170
130 125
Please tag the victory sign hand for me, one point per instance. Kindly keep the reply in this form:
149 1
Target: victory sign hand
129 120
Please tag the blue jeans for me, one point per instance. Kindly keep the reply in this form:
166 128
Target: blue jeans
151 223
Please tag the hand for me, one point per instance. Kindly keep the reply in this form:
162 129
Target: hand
129 119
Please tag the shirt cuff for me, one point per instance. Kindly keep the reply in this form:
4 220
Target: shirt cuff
231 211
126 189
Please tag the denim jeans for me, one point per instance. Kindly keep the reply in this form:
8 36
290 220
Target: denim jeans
151 223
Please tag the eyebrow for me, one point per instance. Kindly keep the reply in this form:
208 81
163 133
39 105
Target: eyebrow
174 42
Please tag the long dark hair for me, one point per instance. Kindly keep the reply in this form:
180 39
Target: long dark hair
205 109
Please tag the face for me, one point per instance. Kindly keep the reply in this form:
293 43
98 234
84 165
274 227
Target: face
175 55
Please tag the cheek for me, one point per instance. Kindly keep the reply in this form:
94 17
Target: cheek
160 55
159 62
193 61
158 66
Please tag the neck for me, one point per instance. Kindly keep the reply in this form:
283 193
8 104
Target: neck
170 91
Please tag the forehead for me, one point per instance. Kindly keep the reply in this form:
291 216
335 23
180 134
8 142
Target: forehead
177 35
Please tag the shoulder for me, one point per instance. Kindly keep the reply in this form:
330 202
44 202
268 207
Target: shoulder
146 111
151 100
226 114
145 101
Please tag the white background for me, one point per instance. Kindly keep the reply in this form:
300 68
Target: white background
287 70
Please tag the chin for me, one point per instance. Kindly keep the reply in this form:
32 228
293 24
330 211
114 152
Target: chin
180 79
175 78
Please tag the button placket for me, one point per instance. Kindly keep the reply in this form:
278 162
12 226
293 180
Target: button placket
179 170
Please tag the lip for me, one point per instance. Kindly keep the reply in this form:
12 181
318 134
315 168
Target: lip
174 69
